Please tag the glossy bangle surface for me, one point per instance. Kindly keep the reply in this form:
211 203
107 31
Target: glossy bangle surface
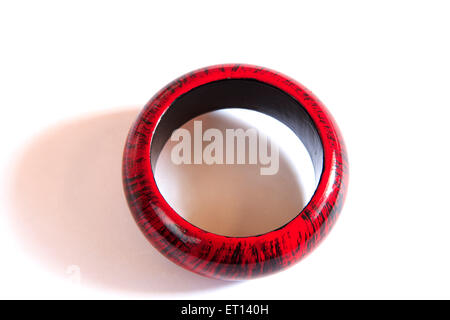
243 86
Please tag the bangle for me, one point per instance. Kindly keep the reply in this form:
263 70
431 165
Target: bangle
249 87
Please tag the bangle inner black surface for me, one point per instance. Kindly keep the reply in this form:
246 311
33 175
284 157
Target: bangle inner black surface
245 94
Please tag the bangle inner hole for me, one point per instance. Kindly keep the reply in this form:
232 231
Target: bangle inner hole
216 191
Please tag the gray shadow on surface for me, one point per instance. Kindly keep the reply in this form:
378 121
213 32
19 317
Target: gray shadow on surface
70 213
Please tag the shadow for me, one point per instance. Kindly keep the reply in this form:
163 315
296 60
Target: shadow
69 210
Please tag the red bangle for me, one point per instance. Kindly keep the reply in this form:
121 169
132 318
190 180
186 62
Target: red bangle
250 87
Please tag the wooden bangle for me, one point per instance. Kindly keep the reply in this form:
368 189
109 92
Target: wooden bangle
249 87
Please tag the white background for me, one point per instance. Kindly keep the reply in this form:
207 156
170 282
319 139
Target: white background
73 76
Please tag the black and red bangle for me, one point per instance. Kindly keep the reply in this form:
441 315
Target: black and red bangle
249 87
